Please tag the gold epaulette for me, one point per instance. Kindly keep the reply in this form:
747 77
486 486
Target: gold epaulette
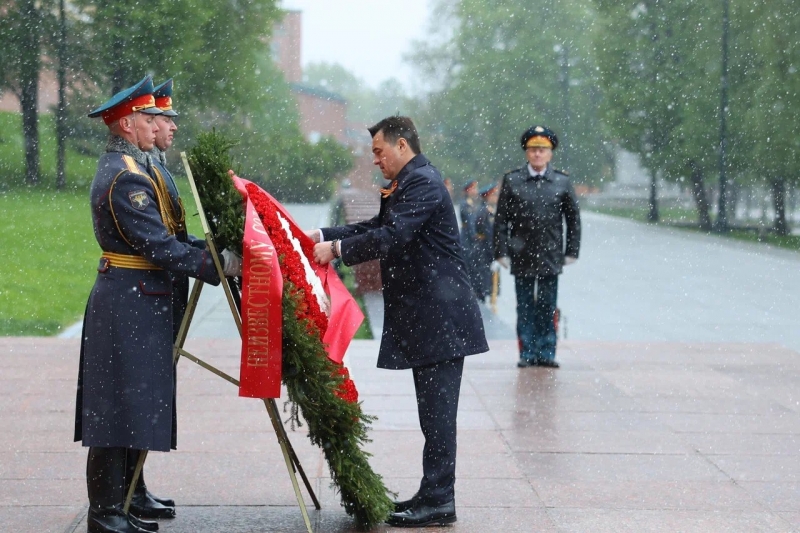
135 262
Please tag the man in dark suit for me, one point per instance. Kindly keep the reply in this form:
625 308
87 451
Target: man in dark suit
124 401
432 320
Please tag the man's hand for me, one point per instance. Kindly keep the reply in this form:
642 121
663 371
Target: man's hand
313 234
502 261
323 253
568 260
233 263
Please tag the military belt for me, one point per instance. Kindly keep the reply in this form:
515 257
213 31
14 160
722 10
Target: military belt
136 262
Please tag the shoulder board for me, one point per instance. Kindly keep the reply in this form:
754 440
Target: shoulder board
133 166
512 171
564 172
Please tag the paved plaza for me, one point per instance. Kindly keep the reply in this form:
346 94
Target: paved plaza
677 408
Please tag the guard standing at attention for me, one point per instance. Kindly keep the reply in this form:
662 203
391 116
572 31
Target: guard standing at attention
470 245
126 379
144 504
536 204
484 232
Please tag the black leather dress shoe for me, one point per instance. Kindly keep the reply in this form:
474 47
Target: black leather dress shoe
424 515
147 525
144 506
549 364
166 502
110 520
404 505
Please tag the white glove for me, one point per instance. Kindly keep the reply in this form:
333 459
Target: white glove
568 260
233 263
503 262
495 266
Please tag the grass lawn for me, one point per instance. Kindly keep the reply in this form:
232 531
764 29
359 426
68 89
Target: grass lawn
50 260
50 257
80 167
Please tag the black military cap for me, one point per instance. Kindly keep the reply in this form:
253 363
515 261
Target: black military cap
539 136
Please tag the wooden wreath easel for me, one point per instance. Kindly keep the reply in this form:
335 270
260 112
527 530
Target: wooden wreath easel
290 457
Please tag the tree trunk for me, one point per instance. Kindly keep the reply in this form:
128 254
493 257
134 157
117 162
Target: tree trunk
61 119
652 213
779 203
30 63
700 198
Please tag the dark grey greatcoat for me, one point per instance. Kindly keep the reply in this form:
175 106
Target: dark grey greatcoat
180 280
530 219
126 375
430 312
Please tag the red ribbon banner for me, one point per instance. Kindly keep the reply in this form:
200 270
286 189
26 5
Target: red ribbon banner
262 290
346 316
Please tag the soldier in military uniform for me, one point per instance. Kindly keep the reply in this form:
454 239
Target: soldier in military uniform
144 504
126 380
469 242
484 232
535 203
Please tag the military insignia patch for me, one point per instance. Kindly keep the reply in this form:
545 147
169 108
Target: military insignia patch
139 199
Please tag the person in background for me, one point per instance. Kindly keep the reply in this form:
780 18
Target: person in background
468 211
484 234
432 320
448 184
536 204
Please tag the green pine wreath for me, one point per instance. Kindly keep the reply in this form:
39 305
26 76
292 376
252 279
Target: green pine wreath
340 428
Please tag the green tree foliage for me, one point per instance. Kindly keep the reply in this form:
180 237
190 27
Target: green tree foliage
769 99
218 53
660 71
365 106
25 30
500 66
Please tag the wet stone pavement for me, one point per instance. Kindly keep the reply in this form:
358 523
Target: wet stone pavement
625 437
676 409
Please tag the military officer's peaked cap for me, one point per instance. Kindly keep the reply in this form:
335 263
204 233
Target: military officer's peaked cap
470 183
137 98
163 96
541 136
486 191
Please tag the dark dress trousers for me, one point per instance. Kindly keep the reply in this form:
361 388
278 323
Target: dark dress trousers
125 391
431 317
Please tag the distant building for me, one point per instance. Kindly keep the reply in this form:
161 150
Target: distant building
322 112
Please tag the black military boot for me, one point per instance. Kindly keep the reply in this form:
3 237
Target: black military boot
143 503
105 482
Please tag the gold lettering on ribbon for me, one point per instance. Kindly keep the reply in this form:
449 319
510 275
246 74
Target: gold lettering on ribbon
260 275
258 227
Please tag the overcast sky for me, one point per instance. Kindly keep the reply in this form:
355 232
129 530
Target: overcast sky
367 37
